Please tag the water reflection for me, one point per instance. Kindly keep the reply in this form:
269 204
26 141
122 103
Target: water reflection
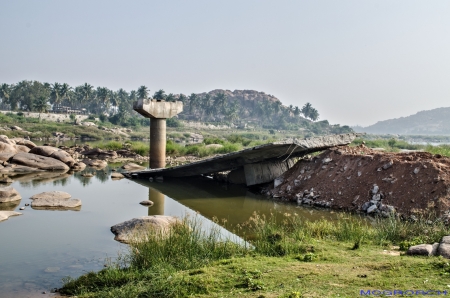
157 198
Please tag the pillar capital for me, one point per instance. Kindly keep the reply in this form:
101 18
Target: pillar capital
151 108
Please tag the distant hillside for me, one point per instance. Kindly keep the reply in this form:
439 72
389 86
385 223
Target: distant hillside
432 122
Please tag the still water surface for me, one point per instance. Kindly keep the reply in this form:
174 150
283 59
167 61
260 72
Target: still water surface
40 247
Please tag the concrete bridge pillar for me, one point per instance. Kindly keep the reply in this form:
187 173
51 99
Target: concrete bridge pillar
158 111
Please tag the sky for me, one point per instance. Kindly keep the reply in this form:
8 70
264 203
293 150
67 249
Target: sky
357 62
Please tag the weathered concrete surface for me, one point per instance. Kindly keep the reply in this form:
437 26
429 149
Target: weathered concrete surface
278 151
157 143
263 172
157 109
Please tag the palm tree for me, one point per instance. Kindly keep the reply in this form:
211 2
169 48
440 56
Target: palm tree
170 97
114 99
55 94
193 102
142 92
220 100
65 92
314 114
40 105
306 110
102 99
160 95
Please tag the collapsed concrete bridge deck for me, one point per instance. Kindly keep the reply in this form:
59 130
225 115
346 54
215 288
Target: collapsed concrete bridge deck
254 165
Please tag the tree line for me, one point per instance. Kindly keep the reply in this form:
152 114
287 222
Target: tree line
35 96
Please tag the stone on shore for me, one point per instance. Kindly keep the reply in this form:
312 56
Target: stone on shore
79 166
138 229
420 250
39 162
8 194
444 247
117 176
21 148
24 142
4 215
63 156
44 150
96 163
7 151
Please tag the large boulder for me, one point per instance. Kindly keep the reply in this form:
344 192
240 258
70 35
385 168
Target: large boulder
420 250
8 194
6 140
99 153
44 150
24 142
444 247
138 229
21 148
7 151
79 166
64 157
39 162
4 215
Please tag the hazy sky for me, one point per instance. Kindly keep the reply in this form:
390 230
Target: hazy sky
357 61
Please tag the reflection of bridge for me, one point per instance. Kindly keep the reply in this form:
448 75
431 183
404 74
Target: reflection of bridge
255 165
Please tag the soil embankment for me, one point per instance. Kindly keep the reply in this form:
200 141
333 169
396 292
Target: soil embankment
364 180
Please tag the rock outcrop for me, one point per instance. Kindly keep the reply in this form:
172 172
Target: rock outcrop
38 162
138 229
54 199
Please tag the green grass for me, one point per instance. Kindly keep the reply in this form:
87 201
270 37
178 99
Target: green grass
393 145
289 257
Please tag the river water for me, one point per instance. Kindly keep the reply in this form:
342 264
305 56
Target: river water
41 247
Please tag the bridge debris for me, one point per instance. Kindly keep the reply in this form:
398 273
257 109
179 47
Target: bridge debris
260 164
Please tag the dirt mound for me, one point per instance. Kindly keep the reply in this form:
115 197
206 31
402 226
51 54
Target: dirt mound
365 180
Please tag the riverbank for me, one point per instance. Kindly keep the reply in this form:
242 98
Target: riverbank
291 258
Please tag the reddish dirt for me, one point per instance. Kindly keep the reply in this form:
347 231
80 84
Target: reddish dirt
416 182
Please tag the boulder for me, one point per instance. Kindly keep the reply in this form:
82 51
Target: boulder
24 142
444 247
44 150
4 215
132 167
7 151
79 166
63 156
39 162
117 176
420 250
137 229
98 164
8 194
56 203
6 140
88 124
18 169
55 194
6 180
16 127
21 148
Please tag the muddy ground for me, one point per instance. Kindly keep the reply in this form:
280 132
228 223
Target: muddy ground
364 180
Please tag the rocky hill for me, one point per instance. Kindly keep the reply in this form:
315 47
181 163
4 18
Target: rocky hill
431 122
243 95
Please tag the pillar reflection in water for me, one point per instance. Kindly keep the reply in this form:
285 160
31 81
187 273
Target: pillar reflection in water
158 202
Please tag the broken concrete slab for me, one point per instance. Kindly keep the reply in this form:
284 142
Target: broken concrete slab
271 152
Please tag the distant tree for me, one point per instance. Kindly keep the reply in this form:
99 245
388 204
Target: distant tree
160 95
183 98
55 94
5 92
41 105
170 97
314 114
193 102
142 92
64 92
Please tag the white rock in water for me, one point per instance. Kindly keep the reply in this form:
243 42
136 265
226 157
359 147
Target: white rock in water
4 215
56 194
137 229
117 176
56 203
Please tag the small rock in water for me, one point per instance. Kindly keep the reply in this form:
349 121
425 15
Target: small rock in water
146 203
150 179
27 204
22 208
